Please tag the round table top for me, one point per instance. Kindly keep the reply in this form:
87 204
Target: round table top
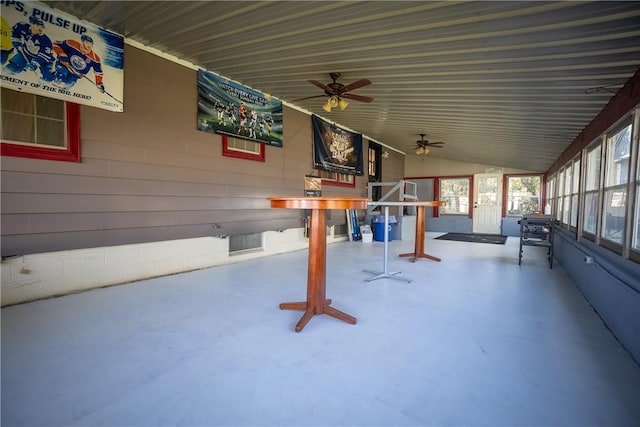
292 202
409 203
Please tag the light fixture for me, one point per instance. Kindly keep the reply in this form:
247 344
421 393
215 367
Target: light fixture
385 154
422 150
333 102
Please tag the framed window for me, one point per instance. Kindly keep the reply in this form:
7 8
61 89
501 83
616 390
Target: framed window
575 186
635 239
559 193
374 163
38 127
339 179
551 194
523 194
591 190
566 192
455 193
243 149
616 176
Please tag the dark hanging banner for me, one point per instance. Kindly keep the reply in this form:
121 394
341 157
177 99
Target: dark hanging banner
336 149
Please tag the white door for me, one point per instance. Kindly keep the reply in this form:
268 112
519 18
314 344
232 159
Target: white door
487 203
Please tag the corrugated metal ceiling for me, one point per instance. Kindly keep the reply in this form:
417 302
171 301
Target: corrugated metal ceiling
508 83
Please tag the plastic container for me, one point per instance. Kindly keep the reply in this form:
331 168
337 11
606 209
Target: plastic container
367 234
378 228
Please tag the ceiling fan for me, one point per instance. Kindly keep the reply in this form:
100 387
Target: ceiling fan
337 92
422 145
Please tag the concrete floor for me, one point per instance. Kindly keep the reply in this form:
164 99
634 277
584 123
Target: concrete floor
473 340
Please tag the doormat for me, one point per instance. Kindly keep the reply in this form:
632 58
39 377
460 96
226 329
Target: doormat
496 239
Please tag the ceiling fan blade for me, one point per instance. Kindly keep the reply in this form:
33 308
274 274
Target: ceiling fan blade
435 144
321 86
356 85
360 98
309 97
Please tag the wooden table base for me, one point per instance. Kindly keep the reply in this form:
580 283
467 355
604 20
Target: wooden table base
419 239
309 312
317 302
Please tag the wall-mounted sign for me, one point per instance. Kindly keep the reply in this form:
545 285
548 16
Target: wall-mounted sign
50 53
228 108
312 186
336 149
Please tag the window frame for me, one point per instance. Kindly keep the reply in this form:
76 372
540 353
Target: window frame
438 194
596 148
337 182
617 247
70 153
229 151
505 192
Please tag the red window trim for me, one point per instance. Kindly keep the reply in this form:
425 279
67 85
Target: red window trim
339 183
227 152
69 154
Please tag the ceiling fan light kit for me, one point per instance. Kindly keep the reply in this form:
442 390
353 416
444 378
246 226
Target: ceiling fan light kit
423 144
333 102
337 92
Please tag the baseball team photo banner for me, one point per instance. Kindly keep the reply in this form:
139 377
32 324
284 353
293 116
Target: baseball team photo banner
50 53
228 108
336 149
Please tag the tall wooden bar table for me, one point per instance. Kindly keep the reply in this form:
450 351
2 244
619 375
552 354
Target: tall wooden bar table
317 302
418 251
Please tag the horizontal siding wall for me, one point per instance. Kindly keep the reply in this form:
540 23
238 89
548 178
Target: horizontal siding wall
147 175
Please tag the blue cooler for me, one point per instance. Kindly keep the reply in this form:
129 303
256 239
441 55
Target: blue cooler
378 228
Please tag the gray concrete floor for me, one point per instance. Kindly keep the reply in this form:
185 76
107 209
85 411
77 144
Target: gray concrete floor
473 340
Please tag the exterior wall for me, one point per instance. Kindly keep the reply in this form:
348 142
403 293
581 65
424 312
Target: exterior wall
610 284
151 195
148 175
32 277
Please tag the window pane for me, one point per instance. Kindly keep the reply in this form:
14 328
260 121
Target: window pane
574 210
635 244
237 144
593 168
576 177
50 132
613 215
568 179
590 212
51 108
332 176
17 102
617 169
523 195
17 127
455 193
565 210
488 191
343 177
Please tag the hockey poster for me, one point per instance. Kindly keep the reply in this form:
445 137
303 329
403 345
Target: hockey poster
49 53
228 108
336 149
